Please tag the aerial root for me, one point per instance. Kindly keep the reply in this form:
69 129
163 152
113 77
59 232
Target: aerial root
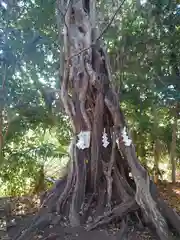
118 212
123 229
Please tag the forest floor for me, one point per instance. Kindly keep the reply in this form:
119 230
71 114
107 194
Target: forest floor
25 208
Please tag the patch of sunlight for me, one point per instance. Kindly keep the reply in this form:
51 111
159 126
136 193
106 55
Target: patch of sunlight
30 133
20 4
38 201
4 5
42 80
177 191
2 225
21 212
143 2
50 57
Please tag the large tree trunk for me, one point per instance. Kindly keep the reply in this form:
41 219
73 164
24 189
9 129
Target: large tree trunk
98 183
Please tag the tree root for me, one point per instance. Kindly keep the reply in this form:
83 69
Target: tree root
170 215
40 222
68 187
118 212
123 229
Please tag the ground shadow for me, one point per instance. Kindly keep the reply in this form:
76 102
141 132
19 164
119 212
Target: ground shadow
16 221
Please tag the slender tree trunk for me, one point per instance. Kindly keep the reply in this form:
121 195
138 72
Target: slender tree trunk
157 148
1 134
174 63
156 160
2 101
173 147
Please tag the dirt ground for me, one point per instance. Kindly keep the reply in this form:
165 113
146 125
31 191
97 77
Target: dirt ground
59 232
22 213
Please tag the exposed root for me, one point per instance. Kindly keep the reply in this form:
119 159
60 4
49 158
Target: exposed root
119 211
68 187
74 214
123 229
40 222
170 215
143 195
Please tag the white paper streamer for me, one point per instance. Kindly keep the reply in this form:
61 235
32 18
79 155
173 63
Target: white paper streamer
50 180
127 141
105 139
84 139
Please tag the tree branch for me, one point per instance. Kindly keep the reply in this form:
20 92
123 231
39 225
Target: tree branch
110 22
